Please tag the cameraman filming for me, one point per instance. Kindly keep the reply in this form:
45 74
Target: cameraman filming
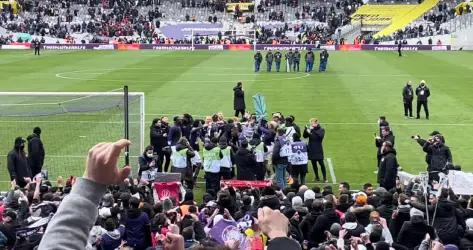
438 154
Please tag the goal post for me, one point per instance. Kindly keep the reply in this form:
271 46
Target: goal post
71 123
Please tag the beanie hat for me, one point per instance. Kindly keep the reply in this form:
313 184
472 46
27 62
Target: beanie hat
416 212
309 195
297 201
289 213
469 224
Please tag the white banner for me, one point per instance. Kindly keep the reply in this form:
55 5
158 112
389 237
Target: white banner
461 182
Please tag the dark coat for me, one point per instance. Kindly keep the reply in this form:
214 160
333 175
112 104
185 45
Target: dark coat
407 94
379 142
18 165
362 213
413 232
308 222
446 220
440 155
159 136
175 133
422 96
322 224
387 172
315 147
238 99
276 157
402 215
35 153
295 232
246 164
466 243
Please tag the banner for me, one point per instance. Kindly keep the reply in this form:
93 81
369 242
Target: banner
246 184
225 230
219 47
243 6
167 189
461 182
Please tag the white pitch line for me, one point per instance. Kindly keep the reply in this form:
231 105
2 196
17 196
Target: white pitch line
332 173
200 116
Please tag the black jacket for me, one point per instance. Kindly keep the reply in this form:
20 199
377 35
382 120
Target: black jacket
407 94
413 232
466 243
446 221
246 164
322 224
35 153
315 147
387 172
440 155
18 165
238 99
308 222
159 136
294 231
283 243
422 93
379 142
402 215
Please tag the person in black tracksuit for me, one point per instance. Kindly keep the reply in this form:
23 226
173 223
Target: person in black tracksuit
407 97
423 93
37 46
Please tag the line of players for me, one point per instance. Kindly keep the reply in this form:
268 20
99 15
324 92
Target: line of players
292 60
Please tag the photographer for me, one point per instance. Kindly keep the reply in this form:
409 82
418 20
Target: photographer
148 163
386 135
440 156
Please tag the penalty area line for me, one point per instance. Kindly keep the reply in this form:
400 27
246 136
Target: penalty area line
332 172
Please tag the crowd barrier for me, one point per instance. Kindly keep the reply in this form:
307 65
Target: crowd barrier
237 47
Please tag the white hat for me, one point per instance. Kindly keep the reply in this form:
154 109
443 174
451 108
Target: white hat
297 201
309 195
416 212
422 81
469 224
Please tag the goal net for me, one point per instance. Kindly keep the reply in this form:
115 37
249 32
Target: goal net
71 123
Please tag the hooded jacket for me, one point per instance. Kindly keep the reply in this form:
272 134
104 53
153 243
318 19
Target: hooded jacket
35 153
387 172
111 240
440 155
18 163
413 232
137 229
246 164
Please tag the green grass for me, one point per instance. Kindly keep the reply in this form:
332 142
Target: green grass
358 87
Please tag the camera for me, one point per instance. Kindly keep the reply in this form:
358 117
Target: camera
415 137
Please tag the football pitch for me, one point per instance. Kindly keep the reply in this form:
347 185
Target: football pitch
347 99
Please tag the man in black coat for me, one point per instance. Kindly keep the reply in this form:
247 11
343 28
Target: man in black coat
422 93
447 218
399 48
245 162
413 232
158 132
316 135
37 46
18 163
239 100
440 156
387 172
407 97
386 135
35 151
323 223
